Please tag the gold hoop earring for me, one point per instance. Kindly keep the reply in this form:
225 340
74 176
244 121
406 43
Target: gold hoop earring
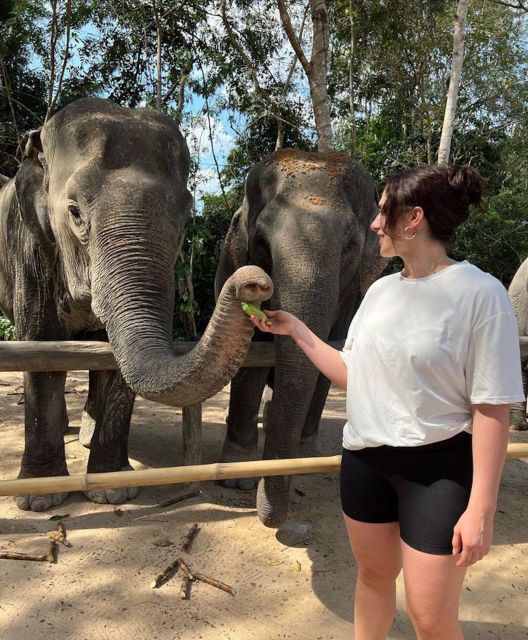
405 233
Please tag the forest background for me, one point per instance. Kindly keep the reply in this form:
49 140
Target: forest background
228 73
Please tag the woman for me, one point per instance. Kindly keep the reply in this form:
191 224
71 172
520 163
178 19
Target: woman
430 366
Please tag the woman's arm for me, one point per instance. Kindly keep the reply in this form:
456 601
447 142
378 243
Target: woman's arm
327 359
473 533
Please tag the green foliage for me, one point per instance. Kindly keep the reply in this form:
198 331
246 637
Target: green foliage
400 76
7 330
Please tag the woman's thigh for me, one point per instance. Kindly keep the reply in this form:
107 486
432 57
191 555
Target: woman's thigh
376 548
432 585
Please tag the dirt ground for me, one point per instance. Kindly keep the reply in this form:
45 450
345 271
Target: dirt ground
295 583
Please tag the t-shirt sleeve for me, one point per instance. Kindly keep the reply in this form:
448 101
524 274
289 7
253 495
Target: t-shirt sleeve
493 364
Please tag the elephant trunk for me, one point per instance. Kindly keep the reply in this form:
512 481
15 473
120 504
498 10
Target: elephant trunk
133 295
313 298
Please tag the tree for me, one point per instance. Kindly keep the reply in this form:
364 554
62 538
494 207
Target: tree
316 68
454 81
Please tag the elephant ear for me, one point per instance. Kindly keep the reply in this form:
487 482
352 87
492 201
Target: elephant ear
234 253
31 192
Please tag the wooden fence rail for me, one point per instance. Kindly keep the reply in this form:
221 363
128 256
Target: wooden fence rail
74 355
77 355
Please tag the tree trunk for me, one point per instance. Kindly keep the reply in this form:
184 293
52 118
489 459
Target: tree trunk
315 69
318 86
454 81
159 101
351 90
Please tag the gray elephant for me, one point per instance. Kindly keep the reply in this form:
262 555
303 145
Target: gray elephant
518 291
90 229
305 220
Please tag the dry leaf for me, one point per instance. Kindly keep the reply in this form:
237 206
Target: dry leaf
274 563
296 566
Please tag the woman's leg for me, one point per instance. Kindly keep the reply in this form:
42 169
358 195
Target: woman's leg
432 590
377 551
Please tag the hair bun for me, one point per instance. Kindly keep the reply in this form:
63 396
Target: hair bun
467 181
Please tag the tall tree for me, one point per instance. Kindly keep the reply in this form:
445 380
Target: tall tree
316 68
459 33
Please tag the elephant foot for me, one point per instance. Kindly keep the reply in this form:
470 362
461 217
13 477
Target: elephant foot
36 502
113 496
272 500
233 452
87 429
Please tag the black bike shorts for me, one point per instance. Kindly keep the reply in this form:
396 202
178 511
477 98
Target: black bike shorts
425 489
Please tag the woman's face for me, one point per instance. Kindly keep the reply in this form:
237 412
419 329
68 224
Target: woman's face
387 247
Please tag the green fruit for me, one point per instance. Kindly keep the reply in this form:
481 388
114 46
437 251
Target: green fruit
252 310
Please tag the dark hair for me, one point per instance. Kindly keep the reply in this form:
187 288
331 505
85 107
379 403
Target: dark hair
444 193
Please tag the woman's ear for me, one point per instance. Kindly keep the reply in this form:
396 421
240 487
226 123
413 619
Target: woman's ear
417 215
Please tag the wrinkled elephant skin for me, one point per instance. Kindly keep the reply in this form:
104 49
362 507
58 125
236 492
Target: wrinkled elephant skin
90 229
305 220
518 292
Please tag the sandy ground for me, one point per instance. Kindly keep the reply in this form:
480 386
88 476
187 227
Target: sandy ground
293 584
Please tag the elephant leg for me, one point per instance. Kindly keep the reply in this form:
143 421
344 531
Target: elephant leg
293 390
308 444
241 438
518 419
111 405
89 412
45 423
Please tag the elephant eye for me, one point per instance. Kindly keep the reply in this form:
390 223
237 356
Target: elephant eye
75 212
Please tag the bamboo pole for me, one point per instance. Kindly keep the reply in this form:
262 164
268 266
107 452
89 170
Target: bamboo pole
193 473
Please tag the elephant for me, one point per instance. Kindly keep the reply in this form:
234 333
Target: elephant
90 228
304 219
518 292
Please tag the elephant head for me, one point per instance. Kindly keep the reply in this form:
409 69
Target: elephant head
305 220
103 190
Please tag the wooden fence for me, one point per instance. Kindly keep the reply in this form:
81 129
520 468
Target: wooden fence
98 356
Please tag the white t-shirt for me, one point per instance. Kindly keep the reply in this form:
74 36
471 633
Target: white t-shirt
420 352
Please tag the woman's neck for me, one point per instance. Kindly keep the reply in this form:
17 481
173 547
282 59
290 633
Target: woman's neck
425 261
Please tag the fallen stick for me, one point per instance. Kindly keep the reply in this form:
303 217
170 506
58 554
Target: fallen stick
185 590
52 552
188 573
214 583
190 538
15 555
170 570
185 496
191 473
60 535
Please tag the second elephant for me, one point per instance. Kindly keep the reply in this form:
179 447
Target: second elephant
518 292
305 220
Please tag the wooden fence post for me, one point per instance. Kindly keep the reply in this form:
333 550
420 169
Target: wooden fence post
192 434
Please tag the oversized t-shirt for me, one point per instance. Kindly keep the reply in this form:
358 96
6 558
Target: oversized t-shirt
421 351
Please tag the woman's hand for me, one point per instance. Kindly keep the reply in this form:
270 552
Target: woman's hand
472 536
282 323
